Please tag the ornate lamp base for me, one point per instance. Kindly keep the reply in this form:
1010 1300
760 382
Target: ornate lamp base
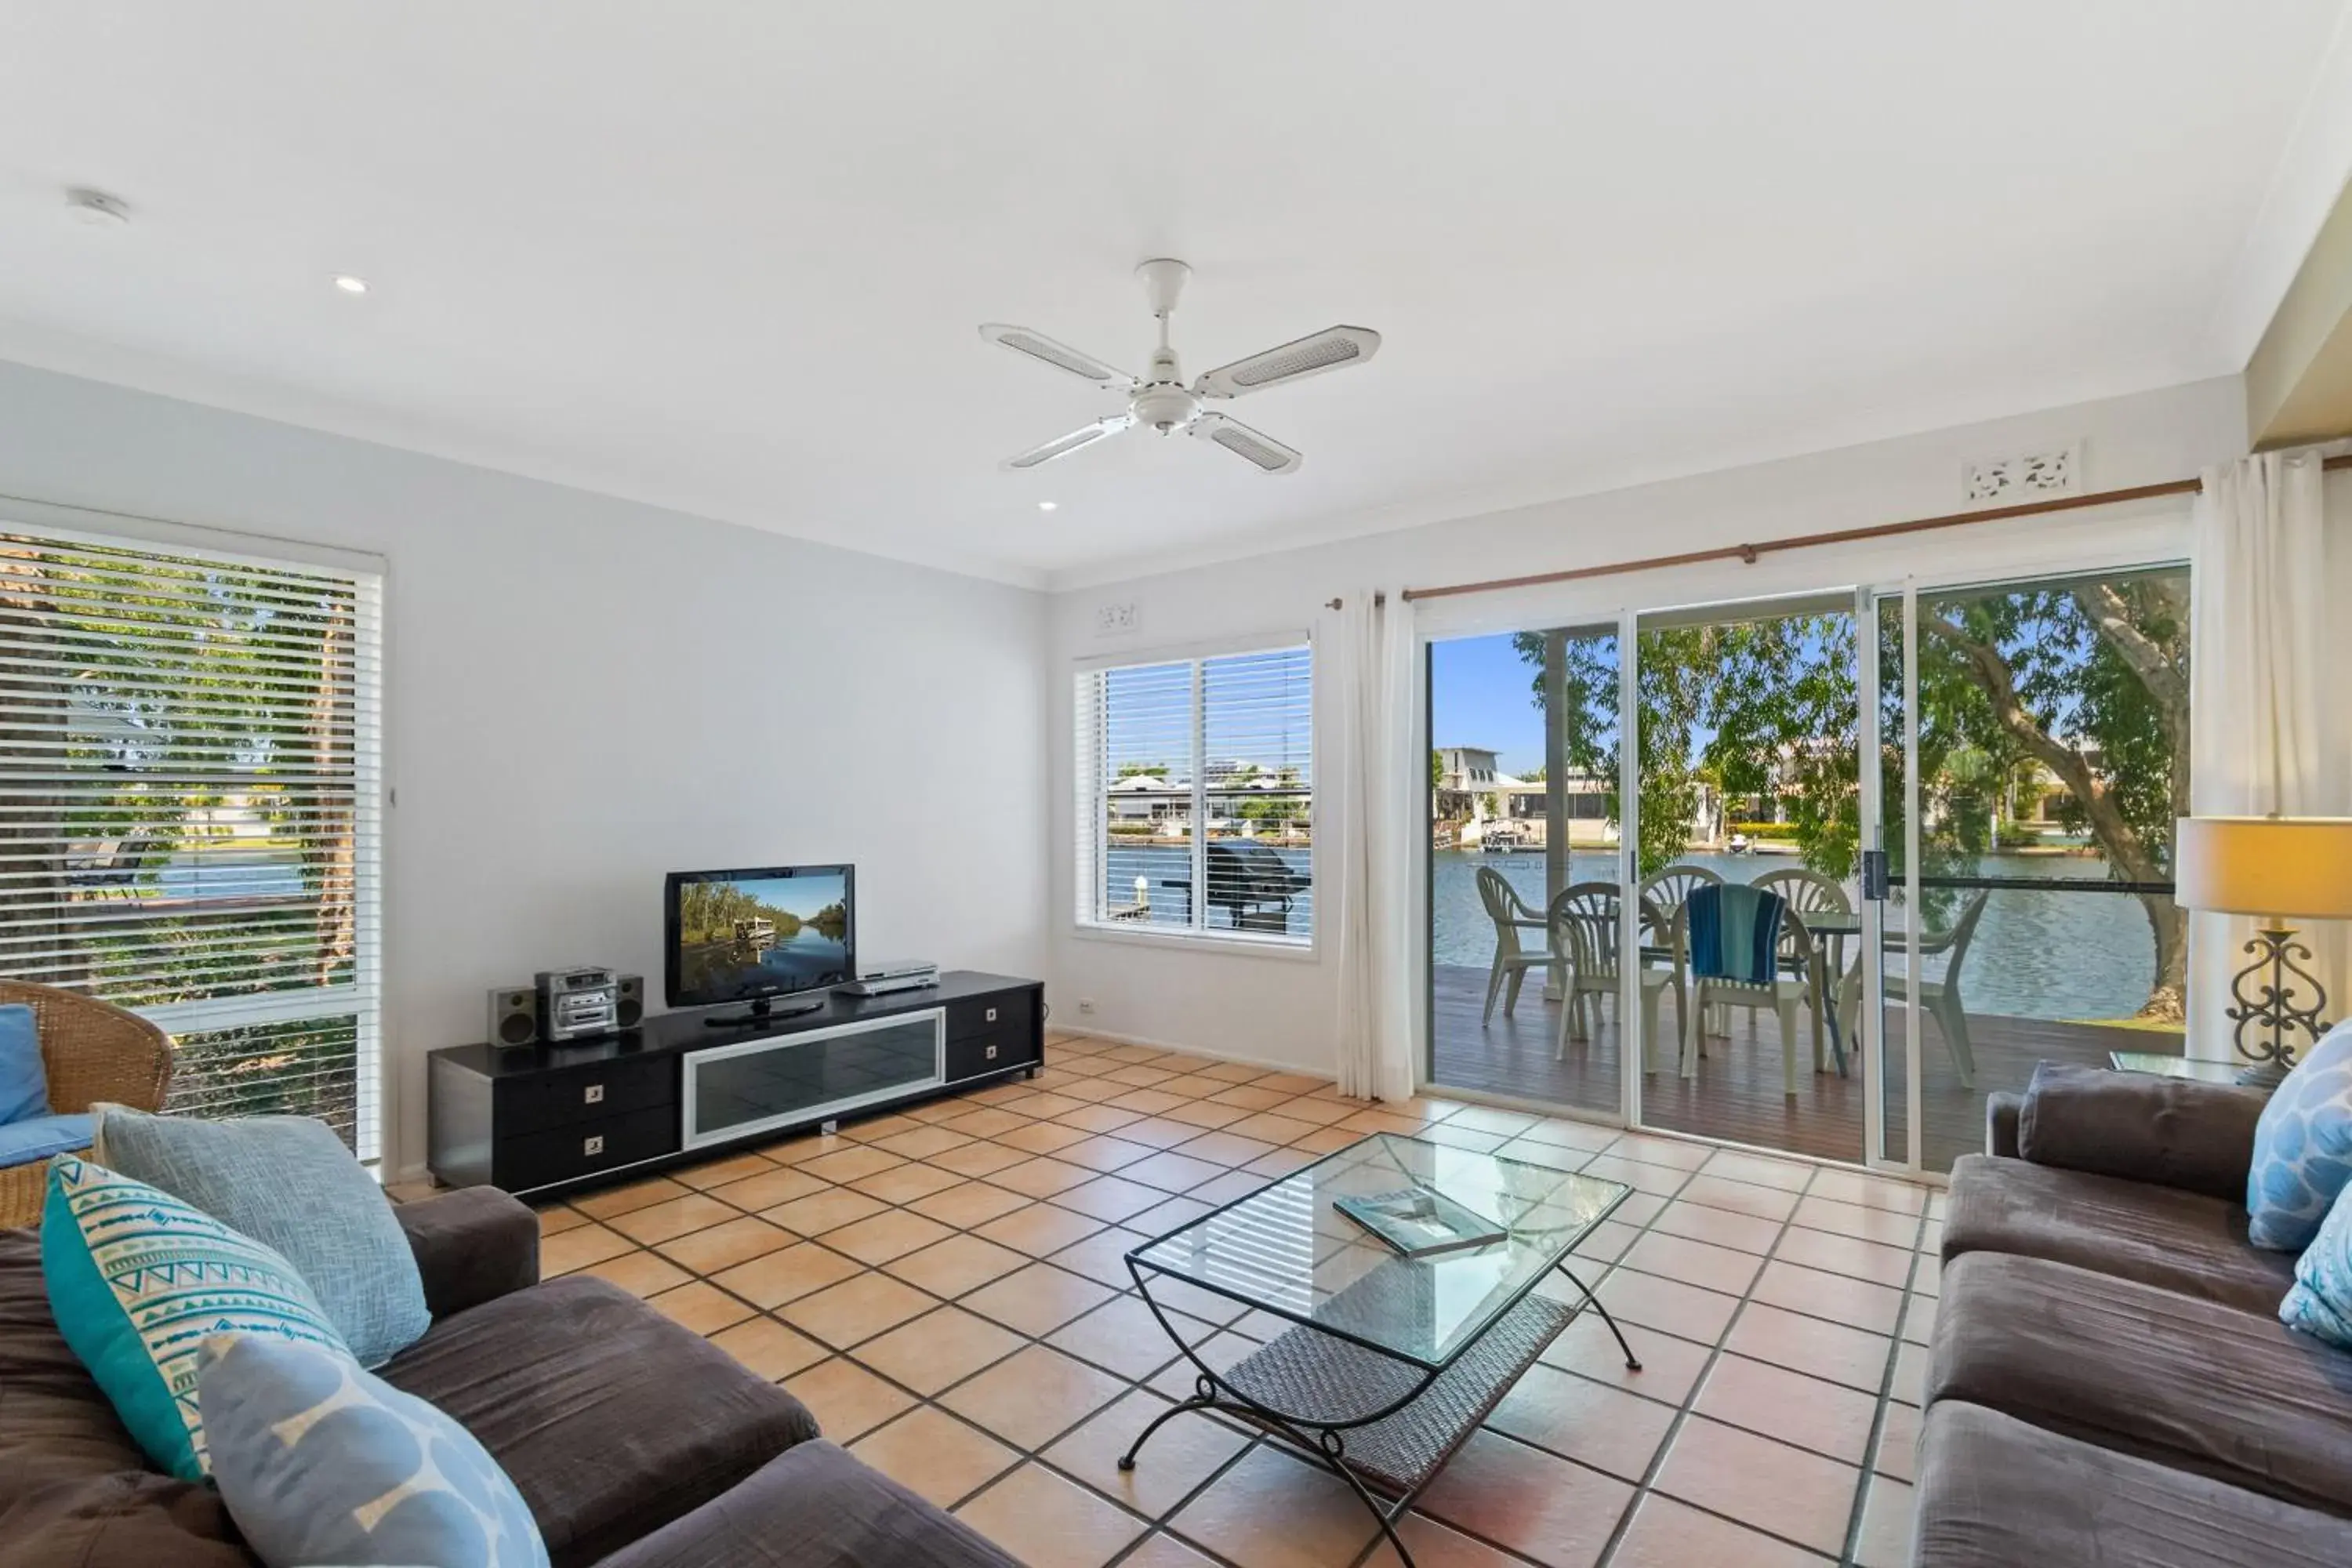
2267 1006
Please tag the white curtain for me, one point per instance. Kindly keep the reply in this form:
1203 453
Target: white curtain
2266 692
1378 823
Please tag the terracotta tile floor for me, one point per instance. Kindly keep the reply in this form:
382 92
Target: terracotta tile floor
943 1287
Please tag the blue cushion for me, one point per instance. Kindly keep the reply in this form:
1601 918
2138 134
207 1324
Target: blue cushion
38 1137
288 1183
24 1081
2319 1303
137 1279
321 1462
2303 1147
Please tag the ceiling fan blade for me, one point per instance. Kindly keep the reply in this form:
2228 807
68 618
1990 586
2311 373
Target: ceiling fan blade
1333 348
1061 356
1270 455
1062 446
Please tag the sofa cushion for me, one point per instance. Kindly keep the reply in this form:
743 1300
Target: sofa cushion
2174 1131
2303 1146
322 1462
23 1076
2181 1241
42 1137
2187 1383
816 1507
74 1488
610 1420
1994 1492
136 1279
2320 1304
288 1183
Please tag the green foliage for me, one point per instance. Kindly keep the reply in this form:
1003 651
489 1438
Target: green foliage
1143 769
2087 679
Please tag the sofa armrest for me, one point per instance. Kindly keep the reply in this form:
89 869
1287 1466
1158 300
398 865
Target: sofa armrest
2170 1131
472 1245
2001 1112
813 1506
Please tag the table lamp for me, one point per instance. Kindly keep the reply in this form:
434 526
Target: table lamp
2274 867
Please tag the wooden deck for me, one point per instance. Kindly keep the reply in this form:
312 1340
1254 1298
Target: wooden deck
1737 1092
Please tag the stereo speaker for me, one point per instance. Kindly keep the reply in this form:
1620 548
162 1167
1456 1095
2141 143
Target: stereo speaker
514 1016
630 1011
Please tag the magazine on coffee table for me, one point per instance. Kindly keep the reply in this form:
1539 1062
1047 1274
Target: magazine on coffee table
1417 1222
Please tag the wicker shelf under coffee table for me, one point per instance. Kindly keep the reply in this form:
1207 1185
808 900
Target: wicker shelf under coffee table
1392 1362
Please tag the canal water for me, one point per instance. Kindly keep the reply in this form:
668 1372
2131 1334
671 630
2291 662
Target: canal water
2035 956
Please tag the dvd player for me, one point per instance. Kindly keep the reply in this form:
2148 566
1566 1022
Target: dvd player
880 978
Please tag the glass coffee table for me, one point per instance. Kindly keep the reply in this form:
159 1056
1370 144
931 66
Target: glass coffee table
1390 1360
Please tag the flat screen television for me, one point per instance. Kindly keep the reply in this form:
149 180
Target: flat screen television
757 935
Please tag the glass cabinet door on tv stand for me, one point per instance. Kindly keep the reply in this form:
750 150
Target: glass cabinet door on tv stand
808 1075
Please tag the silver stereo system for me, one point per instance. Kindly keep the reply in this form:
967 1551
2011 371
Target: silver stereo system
576 1002
880 978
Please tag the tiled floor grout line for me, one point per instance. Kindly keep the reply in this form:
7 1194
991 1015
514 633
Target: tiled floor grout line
1150 1525
1846 1559
1647 1485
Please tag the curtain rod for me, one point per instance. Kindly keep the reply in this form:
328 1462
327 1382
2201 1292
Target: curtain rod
1750 553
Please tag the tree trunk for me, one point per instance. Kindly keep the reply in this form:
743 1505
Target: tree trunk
2129 856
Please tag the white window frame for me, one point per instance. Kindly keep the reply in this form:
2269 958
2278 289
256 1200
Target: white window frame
375 1133
1092 806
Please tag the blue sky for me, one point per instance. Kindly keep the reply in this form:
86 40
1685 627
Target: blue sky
1481 693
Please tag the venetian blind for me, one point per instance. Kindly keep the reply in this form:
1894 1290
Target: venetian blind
1196 776
189 788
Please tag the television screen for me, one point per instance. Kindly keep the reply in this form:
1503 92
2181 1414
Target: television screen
739 934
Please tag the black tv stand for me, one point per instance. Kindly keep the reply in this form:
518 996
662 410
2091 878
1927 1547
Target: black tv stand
763 1008
619 1107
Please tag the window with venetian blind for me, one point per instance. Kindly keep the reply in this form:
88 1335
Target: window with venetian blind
189 787
1196 796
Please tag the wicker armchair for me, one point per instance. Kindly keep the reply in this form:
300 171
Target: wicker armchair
91 1051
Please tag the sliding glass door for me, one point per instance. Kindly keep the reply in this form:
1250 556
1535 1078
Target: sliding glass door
1748 769
1523 825
2034 753
1962 796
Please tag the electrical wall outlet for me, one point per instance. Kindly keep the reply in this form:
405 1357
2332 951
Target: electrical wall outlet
2024 476
1087 1004
1116 620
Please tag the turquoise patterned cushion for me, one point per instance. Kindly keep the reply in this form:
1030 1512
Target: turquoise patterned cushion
137 1278
321 1462
2303 1147
2320 1301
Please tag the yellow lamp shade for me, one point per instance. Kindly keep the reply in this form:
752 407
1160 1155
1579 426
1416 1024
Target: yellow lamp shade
2281 866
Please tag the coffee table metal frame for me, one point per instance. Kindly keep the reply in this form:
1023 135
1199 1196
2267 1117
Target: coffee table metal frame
1322 1439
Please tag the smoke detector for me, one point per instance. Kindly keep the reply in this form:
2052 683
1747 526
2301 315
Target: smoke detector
96 209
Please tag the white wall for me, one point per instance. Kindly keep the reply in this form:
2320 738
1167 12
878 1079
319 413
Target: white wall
1285 1009
583 693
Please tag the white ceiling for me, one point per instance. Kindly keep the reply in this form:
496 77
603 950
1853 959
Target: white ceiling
730 257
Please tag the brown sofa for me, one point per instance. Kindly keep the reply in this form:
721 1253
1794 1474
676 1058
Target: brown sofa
637 1444
2110 1381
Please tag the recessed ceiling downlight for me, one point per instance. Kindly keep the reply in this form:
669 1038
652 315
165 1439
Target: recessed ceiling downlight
96 209
1048 505
351 285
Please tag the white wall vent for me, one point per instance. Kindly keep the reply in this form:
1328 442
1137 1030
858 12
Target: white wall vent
1116 620
2024 477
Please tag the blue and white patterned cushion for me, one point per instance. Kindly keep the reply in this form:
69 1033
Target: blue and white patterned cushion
2319 1303
321 1462
2303 1147
136 1280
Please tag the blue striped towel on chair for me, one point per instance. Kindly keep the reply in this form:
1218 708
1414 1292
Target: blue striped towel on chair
1734 934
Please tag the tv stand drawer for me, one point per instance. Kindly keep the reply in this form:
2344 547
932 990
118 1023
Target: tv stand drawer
982 1054
584 1149
1013 1012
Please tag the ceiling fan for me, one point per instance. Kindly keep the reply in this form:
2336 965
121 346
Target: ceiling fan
1161 401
